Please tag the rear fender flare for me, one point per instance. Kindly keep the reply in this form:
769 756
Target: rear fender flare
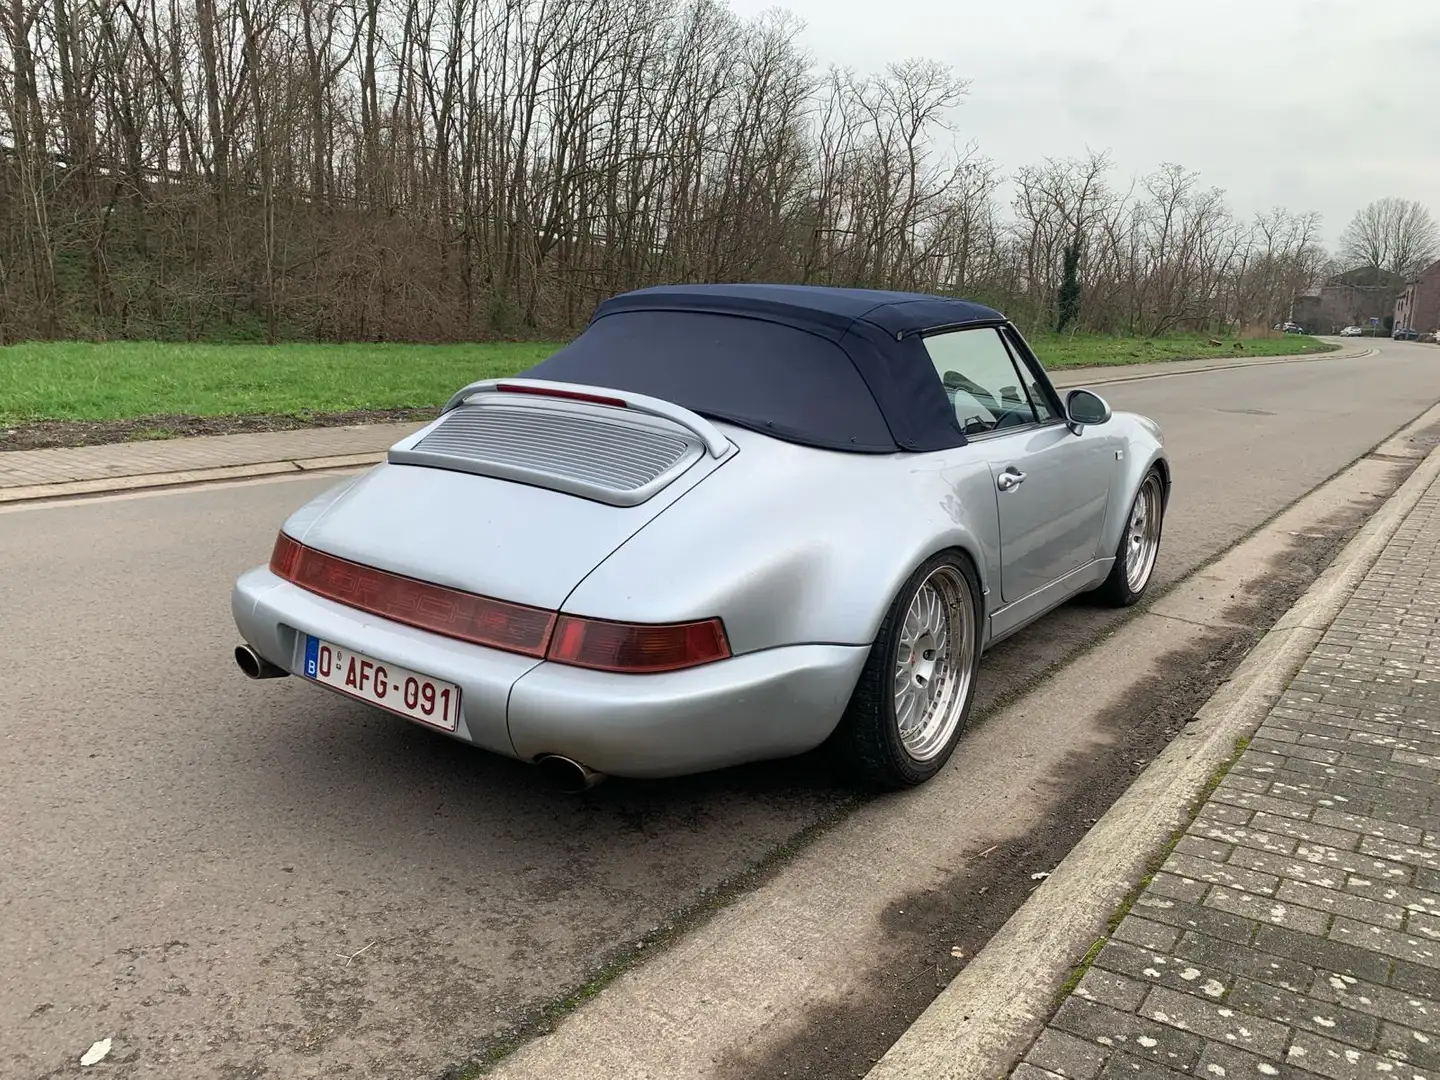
960 543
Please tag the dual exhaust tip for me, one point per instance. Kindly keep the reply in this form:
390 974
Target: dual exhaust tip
567 775
256 666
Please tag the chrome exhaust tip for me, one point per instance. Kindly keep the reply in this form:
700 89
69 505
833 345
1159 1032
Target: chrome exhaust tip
256 666
570 776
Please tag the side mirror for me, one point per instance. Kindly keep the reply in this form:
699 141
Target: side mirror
1085 407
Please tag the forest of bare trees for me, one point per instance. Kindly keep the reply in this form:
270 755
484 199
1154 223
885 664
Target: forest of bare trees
463 169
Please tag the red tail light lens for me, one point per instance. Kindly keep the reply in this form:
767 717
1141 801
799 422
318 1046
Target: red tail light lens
285 559
441 610
623 647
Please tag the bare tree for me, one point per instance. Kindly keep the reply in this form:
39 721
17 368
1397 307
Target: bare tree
1391 235
461 169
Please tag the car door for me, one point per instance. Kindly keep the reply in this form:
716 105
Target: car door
1051 485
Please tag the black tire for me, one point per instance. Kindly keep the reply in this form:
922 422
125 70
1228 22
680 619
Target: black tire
1118 589
868 737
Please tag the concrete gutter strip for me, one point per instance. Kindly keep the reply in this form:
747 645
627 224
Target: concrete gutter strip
982 1024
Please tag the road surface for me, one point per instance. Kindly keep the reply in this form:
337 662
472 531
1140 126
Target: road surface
232 879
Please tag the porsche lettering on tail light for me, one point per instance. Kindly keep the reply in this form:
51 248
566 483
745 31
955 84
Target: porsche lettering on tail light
598 644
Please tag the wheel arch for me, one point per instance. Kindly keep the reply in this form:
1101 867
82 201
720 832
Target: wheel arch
1144 453
963 545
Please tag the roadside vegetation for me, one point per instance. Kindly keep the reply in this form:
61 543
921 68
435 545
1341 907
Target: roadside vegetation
1058 351
122 381
279 170
151 386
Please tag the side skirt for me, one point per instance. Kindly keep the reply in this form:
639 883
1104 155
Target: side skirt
1012 617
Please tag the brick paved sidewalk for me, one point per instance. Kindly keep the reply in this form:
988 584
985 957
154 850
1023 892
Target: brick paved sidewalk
1295 929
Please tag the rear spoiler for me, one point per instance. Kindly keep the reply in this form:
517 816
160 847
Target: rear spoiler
715 443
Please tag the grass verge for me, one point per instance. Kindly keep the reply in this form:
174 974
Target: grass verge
126 381
1057 351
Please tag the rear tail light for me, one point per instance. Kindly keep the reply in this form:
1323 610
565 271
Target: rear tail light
441 610
285 559
629 648
637 649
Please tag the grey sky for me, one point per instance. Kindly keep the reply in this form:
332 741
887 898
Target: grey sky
1311 104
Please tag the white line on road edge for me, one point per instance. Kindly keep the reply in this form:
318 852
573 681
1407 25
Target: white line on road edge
984 1021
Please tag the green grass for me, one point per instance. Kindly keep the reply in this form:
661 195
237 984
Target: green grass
1103 350
126 380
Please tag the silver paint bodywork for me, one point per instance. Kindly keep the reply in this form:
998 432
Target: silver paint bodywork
799 551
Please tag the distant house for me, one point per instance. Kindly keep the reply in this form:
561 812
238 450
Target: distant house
1418 307
1352 299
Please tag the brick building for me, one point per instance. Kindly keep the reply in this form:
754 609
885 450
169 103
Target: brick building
1351 299
1418 307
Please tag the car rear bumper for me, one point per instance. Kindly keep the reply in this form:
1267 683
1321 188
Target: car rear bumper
769 704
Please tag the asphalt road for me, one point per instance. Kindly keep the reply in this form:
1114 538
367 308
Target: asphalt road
241 880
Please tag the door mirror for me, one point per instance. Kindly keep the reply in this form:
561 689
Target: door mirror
1085 407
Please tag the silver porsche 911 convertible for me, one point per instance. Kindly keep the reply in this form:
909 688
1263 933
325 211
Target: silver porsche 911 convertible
724 524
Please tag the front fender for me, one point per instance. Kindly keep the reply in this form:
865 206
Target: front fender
1144 450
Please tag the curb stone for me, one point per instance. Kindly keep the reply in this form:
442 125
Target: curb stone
112 485
982 1023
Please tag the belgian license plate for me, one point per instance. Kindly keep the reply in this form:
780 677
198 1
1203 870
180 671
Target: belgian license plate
400 690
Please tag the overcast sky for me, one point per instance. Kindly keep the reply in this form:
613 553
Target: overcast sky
1311 104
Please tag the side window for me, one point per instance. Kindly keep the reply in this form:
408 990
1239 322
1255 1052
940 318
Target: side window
981 380
1043 408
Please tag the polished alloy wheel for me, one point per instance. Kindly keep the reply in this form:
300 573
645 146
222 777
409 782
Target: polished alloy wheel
934 663
1142 534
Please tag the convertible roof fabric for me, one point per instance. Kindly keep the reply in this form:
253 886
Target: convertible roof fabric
840 369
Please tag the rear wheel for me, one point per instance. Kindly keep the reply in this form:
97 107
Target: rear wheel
913 699
1139 545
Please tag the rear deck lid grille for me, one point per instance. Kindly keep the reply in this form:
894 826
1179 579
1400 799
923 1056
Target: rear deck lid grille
575 449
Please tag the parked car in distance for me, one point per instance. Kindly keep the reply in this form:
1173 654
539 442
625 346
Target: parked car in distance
1293 328
726 523
1405 333
1351 331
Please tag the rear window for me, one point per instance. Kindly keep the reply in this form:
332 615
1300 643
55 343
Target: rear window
761 375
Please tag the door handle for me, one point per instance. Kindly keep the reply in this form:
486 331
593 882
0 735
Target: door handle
1009 480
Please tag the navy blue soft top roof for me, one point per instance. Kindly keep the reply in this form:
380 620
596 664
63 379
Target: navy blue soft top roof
842 369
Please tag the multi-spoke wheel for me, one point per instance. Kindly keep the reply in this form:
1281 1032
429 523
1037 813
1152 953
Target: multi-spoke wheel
1139 544
913 698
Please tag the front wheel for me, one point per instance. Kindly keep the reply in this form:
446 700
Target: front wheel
1139 545
913 698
